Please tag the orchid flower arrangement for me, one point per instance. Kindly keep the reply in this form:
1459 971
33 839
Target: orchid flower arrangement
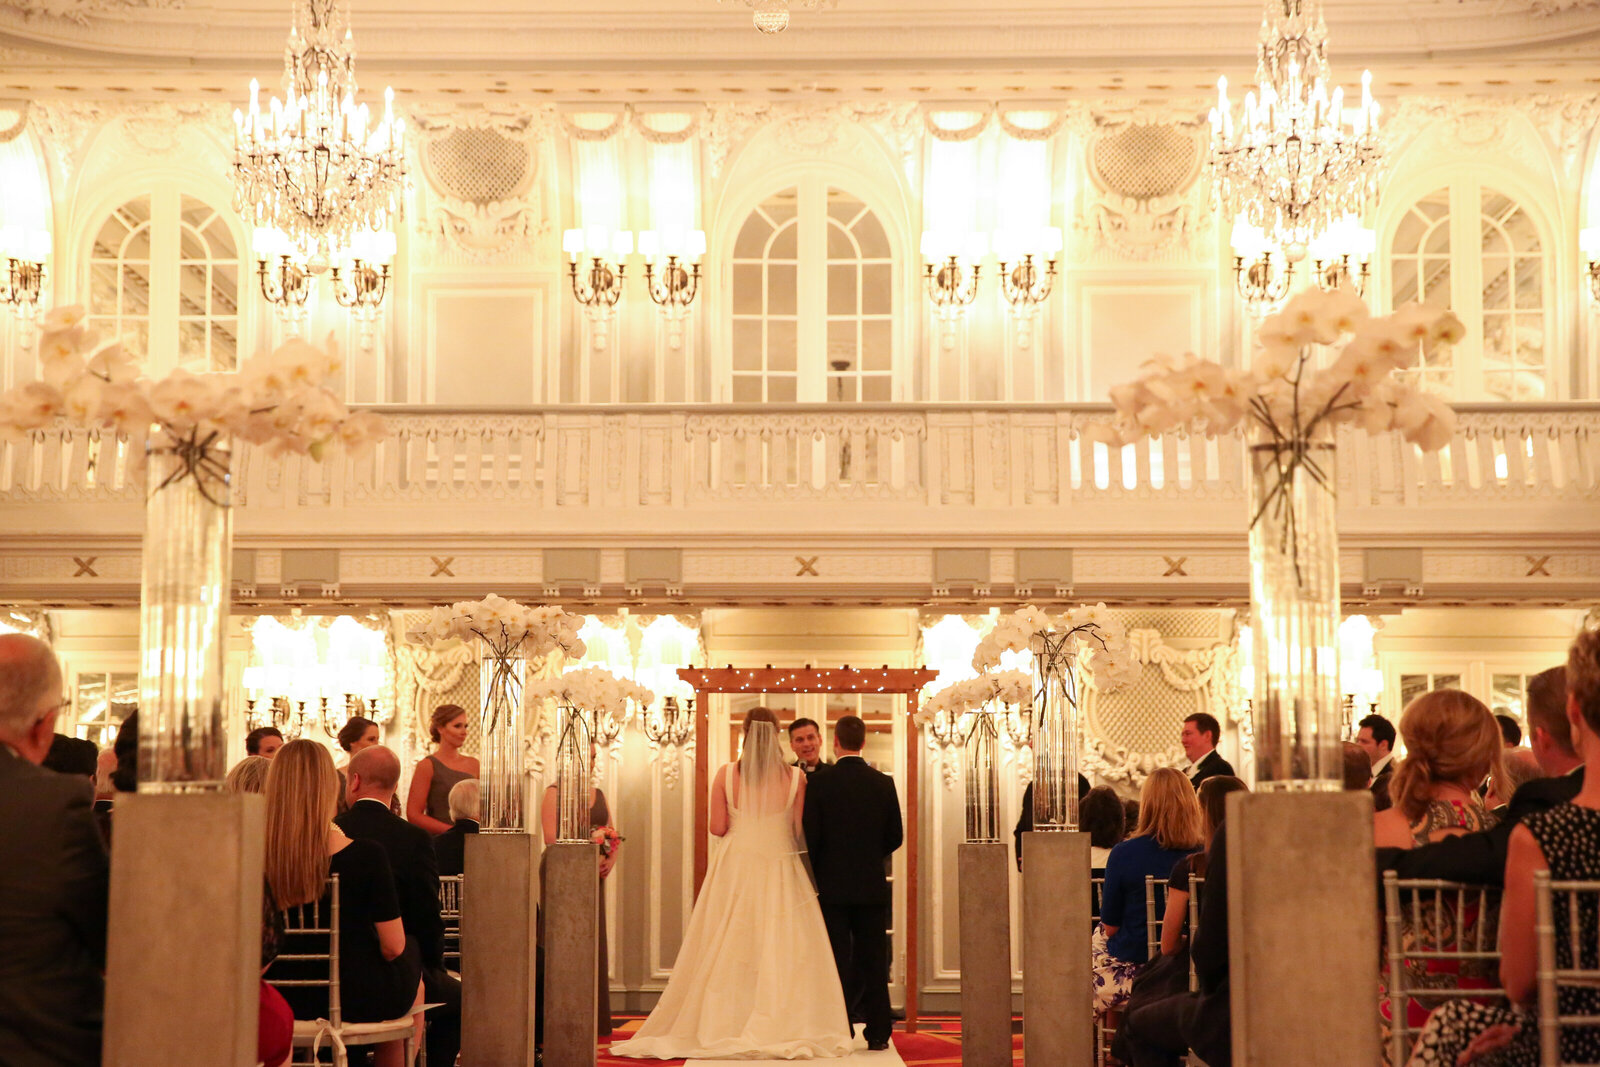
279 402
1092 628
506 625
592 689
960 698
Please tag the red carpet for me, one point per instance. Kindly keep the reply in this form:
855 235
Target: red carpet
936 1044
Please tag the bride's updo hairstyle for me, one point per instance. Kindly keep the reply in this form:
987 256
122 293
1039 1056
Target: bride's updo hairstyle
1450 738
755 715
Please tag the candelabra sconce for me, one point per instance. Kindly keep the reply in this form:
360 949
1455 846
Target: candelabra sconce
599 286
287 716
362 286
672 725
1342 255
951 276
675 284
1589 246
1261 273
1023 284
1017 725
22 285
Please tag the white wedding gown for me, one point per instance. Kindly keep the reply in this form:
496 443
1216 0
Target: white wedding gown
755 977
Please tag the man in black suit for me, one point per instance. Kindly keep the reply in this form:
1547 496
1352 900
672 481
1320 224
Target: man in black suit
852 821
1199 738
53 878
371 779
1376 737
1480 857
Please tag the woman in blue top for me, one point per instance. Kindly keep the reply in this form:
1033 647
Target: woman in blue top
1168 830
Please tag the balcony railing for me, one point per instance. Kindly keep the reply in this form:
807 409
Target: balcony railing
956 467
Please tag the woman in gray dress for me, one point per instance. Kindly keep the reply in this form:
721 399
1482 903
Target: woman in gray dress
428 802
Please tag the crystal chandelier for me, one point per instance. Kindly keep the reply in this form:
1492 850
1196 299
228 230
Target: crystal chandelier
316 165
1291 164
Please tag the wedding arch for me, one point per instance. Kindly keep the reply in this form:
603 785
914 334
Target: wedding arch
906 681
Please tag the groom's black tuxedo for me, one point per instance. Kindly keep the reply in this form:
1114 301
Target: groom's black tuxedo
852 820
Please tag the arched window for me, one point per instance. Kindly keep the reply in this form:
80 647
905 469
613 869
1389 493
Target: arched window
813 300
1476 250
164 275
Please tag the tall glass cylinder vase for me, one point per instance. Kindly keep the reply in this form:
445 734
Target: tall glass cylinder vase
572 776
503 778
1294 603
980 770
1057 728
183 615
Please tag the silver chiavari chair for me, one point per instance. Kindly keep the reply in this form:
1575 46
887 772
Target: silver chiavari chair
319 919
1155 910
450 894
1196 883
1451 923
1559 908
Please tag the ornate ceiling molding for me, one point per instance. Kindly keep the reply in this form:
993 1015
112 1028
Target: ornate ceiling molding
81 11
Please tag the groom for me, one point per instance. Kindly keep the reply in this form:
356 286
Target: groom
852 819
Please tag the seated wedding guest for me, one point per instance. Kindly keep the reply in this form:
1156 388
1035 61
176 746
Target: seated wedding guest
1168 830
104 791
249 775
805 741
451 846
1376 737
1452 744
1480 858
72 755
380 968
1358 771
125 779
1025 814
263 741
53 877
1130 817
1159 1032
373 775
1213 797
1100 816
358 733
1199 738
1510 729
428 802
1564 840
1521 767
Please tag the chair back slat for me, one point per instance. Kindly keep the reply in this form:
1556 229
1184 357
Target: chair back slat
1196 884
1155 902
1560 907
316 920
451 893
1452 928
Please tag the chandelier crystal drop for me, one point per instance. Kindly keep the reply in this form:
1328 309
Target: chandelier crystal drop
771 16
316 165
1291 164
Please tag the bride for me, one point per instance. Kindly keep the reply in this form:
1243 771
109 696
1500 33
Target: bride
755 977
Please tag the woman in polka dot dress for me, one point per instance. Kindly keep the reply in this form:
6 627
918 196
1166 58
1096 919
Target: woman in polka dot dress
1565 841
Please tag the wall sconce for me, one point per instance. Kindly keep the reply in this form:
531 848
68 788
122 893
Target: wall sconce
1589 245
675 288
285 278
1342 255
951 275
1022 283
600 286
22 285
1260 272
362 286
670 729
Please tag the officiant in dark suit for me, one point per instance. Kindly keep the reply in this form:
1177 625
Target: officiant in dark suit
373 775
805 741
852 823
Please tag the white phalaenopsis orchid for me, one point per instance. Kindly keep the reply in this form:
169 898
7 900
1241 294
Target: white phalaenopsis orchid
1285 393
592 689
277 401
506 625
1094 628
1001 689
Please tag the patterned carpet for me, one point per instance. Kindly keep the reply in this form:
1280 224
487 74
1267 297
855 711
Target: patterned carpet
937 1043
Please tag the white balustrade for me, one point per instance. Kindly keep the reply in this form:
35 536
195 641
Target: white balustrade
1035 462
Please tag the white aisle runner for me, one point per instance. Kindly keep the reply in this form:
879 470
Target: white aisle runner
861 1057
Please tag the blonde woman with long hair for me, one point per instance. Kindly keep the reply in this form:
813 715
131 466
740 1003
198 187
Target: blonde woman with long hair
1452 744
1169 829
380 969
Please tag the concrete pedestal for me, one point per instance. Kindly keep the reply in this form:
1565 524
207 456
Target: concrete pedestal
183 953
1302 929
985 955
499 891
1057 992
571 953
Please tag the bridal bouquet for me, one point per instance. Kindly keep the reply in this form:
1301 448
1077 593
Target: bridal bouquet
506 624
280 402
960 698
1091 628
592 689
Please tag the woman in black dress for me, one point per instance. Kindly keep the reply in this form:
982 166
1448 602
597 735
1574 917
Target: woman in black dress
380 968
